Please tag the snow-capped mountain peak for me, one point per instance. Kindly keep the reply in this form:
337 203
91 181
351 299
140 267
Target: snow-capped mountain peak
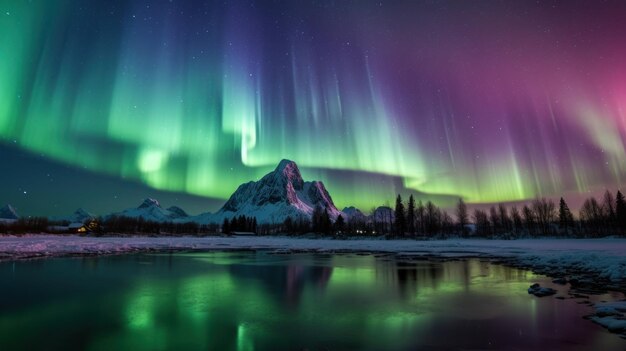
353 214
8 212
177 211
79 216
83 213
279 194
151 210
149 202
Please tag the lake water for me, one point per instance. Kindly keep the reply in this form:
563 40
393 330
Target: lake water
262 301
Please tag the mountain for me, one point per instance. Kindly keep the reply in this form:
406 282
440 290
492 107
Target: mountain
353 214
151 210
177 212
383 214
8 212
79 216
278 195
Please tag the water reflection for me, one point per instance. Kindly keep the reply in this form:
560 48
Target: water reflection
260 301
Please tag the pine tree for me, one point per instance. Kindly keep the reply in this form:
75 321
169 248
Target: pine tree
608 207
400 219
226 226
620 210
316 219
326 224
288 225
566 219
462 216
420 217
339 224
410 215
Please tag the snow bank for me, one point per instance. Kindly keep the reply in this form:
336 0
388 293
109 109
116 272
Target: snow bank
611 315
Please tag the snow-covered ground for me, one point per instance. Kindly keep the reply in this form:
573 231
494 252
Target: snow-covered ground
611 315
604 258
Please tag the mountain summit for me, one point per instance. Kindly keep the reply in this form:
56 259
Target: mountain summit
8 212
151 210
79 216
149 202
278 195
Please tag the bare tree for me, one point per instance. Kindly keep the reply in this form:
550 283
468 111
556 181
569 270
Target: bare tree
545 210
608 207
592 215
529 219
495 220
482 222
462 217
516 218
505 222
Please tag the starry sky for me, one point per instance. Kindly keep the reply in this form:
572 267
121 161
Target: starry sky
103 103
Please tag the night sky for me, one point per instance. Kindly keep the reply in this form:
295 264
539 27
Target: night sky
103 103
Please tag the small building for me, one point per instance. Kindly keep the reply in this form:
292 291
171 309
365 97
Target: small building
77 227
72 228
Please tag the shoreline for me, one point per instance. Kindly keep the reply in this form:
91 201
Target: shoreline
589 261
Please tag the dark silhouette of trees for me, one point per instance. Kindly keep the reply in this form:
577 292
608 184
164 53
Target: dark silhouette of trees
400 219
504 220
494 218
128 225
620 211
481 221
410 215
420 218
591 217
566 218
529 220
288 226
321 220
432 217
545 212
446 225
516 218
608 208
462 217
340 224
226 226
540 217
25 225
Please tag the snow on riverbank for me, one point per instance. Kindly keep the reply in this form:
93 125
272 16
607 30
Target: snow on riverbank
604 258
611 315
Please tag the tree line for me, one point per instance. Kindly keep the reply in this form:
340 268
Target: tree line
108 225
541 217
239 224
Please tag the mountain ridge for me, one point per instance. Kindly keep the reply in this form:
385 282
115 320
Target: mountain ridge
279 194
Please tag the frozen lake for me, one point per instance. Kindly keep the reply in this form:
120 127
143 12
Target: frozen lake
264 301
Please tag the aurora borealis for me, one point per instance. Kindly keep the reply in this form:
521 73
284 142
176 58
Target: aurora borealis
489 101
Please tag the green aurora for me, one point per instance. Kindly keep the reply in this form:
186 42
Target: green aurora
199 99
